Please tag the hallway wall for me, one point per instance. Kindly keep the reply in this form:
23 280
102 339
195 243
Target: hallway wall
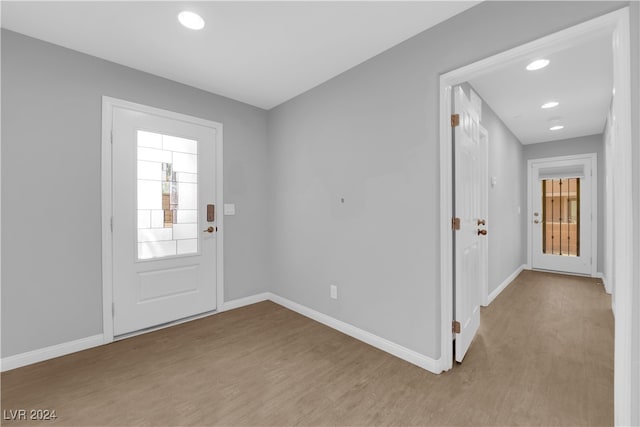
507 200
634 7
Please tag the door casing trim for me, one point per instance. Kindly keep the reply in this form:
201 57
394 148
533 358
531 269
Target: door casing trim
617 24
579 159
108 104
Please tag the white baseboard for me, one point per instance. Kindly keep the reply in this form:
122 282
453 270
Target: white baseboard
42 354
397 350
607 289
613 308
425 362
506 283
605 282
241 302
35 356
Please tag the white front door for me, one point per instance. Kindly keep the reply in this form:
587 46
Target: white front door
468 169
164 225
561 214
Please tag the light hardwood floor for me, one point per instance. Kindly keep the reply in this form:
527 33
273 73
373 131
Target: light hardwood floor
543 356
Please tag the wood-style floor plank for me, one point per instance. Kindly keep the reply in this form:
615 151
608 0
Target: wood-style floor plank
543 356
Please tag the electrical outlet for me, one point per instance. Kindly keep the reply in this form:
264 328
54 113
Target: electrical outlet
333 291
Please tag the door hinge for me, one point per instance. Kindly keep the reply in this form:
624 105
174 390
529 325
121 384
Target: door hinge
455 327
112 137
455 120
111 223
455 223
113 308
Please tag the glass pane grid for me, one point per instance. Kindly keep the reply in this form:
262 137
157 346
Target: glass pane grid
561 216
167 176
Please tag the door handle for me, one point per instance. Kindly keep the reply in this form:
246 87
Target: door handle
210 229
535 221
482 232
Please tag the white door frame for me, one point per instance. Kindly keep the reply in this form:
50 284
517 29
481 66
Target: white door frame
593 158
108 104
614 23
484 135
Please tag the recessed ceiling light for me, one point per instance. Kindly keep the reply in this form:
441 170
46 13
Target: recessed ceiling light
556 127
191 20
538 64
550 104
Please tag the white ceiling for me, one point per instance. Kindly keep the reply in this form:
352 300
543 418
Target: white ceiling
262 53
580 78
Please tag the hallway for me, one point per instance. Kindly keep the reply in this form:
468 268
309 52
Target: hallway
545 352
543 356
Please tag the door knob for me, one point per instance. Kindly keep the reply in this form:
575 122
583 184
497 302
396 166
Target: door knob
535 221
482 232
210 230
481 222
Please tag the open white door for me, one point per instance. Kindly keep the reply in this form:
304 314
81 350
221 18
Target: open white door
164 196
468 224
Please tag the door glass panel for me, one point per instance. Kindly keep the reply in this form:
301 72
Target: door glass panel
561 216
167 176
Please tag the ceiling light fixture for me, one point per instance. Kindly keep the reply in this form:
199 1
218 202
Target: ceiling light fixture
538 64
550 105
556 127
191 20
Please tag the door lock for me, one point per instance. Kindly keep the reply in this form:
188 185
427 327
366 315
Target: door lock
481 222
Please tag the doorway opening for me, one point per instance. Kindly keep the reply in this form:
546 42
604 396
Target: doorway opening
616 26
161 183
563 214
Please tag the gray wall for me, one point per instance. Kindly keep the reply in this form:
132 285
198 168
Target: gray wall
580 145
51 136
507 200
370 136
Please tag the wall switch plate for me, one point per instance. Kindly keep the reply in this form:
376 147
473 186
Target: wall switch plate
333 291
229 209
